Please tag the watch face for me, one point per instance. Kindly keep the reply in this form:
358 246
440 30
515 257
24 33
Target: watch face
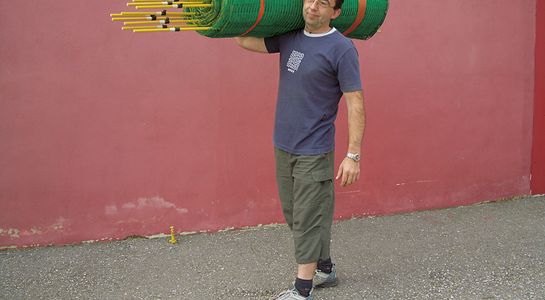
354 156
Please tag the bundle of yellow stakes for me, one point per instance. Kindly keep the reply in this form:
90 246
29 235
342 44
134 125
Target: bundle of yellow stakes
359 19
170 17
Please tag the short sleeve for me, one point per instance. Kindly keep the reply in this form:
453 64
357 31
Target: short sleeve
348 71
273 44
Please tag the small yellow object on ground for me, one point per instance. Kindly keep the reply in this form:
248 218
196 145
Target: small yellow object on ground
172 237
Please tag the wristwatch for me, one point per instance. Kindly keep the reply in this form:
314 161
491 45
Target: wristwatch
353 156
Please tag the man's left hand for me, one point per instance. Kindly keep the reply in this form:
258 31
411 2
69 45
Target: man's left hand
349 171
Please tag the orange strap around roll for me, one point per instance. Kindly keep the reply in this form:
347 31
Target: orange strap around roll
259 17
362 5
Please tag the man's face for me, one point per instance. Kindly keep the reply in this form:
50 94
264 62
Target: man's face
319 13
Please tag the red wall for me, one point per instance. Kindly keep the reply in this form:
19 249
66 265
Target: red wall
538 153
106 134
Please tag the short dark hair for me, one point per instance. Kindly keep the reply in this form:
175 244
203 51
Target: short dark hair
338 4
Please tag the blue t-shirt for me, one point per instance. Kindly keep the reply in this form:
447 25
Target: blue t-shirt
315 70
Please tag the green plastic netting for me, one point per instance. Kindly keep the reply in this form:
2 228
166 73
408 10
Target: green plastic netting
229 18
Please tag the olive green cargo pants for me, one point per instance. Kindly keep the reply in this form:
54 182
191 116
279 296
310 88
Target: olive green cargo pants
305 186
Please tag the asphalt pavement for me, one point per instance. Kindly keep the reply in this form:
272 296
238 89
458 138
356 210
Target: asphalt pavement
494 250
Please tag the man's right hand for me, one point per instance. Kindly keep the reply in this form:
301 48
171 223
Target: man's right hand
252 43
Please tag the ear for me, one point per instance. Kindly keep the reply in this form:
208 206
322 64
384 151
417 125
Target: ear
336 13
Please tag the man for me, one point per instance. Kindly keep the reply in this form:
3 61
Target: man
318 65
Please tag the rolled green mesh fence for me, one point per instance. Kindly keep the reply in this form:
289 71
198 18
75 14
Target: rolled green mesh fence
360 19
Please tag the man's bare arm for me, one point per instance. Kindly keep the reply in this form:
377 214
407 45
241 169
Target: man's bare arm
356 120
349 170
252 43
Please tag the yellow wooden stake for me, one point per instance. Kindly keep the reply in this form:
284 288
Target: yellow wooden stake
172 237
162 3
172 6
139 27
173 29
171 21
139 18
151 13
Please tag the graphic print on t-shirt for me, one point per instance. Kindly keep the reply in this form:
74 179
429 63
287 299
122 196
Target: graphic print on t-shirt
295 60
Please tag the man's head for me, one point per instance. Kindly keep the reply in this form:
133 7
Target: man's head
319 13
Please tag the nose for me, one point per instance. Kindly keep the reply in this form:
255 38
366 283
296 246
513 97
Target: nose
314 4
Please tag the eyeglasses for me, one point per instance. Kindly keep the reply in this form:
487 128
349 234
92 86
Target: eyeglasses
321 3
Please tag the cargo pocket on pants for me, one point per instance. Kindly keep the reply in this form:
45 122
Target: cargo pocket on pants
324 186
322 175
